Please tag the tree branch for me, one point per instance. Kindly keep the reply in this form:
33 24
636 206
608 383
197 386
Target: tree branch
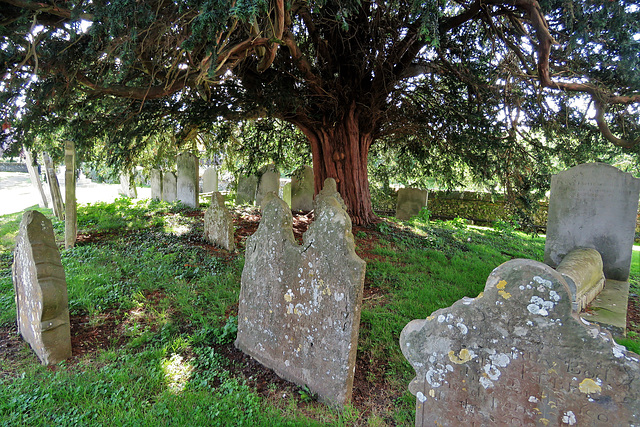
152 92
45 8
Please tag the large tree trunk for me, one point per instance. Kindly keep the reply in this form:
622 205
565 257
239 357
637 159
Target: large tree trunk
340 151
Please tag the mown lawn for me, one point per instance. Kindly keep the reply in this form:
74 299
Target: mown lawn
153 311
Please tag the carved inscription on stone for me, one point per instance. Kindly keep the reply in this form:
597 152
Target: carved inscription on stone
41 290
516 355
299 309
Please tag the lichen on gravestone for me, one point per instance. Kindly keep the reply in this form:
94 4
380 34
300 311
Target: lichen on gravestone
517 355
41 290
299 308
218 223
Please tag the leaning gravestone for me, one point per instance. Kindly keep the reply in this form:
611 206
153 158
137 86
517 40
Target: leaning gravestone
269 183
593 206
169 187
210 180
156 184
41 290
187 187
410 202
299 309
302 189
516 355
218 223
246 191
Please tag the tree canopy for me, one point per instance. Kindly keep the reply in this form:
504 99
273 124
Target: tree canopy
498 86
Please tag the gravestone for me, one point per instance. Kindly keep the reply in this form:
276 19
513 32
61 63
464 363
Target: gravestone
299 309
210 180
169 187
218 223
410 202
286 193
156 184
593 206
516 355
70 201
187 190
302 189
127 185
269 182
41 290
246 191
54 187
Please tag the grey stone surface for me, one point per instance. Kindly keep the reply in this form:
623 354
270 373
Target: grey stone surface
70 201
169 187
156 184
269 182
127 185
41 290
302 189
188 188
210 180
218 223
286 193
517 355
581 268
410 202
54 187
594 206
299 309
246 191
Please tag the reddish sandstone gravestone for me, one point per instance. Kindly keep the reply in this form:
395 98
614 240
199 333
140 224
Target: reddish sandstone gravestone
299 309
41 290
516 355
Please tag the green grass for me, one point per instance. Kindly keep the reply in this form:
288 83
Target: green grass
173 303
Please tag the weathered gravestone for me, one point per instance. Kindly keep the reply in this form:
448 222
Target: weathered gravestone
593 206
127 185
302 189
299 309
246 190
410 202
187 187
169 187
218 223
41 290
516 355
286 193
269 182
210 180
156 184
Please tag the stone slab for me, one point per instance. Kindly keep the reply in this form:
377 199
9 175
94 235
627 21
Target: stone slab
594 206
269 182
286 193
302 189
299 309
218 223
609 308
246 190
156 184
187 184
127 185
410 202
169 187
517 355
210 180
41 290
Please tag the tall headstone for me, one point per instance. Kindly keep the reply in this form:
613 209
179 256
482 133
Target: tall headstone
54 187
71 210
127 185
286 193
593 206
210 180
302 189
269 183
218 223
41 290
516 355
156 184
169 187
188 179
410 202
246 191
299 309
34 176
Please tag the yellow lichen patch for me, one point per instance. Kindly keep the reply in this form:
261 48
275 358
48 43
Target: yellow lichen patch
501 284
504 294
544 421
431 317
463 357
588 386
480 295
287 297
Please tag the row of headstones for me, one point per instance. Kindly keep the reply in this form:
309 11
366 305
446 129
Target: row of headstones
298 194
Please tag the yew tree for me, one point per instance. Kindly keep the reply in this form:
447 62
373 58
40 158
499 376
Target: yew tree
490 84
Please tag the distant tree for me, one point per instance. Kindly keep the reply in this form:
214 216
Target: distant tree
494 85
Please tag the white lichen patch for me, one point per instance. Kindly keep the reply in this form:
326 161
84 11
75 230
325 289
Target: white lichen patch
436 375
543 282
421 397
569 418
539 306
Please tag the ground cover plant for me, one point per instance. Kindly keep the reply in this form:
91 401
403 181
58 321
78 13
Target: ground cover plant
153 309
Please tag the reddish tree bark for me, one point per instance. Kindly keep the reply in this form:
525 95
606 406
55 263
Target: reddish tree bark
340 151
